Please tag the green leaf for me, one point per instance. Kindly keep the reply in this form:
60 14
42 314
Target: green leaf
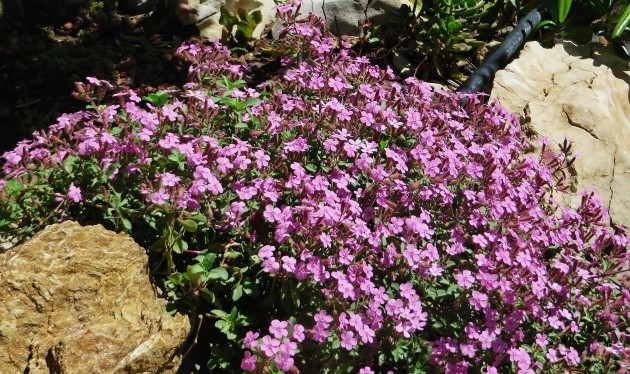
189 225
251 102
218 273
221 325
336 344
199 217
194 273
209 294
126 224
159 245
176 156
208 260
219 313
241 125
13 186
452 288
461 47
256 16
246 31
69 163
176 278
453 25
237 293
179 245
170 309
545 25
562 10
233 254
195 269
157 98
311 167
622 23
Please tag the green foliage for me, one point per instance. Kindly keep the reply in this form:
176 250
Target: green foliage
442 36
579 20
238 28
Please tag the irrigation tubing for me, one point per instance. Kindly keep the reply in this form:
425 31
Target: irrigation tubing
512 43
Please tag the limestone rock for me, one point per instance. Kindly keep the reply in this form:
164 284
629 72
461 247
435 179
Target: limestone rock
581 93
78 300
206 13
344 17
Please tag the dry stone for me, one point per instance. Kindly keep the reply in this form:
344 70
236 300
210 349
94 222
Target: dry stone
581 93
78 300
346 17
343 17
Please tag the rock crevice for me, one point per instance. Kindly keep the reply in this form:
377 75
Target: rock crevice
580 93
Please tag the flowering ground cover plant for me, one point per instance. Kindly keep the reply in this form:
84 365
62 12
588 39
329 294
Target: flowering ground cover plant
337 220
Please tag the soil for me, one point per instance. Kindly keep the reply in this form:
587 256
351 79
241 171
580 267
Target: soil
43 51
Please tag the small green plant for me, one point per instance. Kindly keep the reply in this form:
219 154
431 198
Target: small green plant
441 36
238 28
579 20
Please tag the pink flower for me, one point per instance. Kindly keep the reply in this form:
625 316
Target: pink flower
323 318
348 341
249 361
479 300
298 332
250 340
284 361
465 279
262 160
288 263
74 193
279 329
319 333
486 338
521 357
169 179
224 165
468 350
266 251
270 265
160 197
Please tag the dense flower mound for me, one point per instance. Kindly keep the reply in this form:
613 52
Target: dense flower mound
336 219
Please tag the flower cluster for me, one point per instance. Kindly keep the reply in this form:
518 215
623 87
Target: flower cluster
376 220
280 346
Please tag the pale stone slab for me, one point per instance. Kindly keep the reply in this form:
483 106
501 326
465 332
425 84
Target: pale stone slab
581 93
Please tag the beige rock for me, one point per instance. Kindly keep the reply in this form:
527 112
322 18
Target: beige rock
346 17
78 300
579 93
205 14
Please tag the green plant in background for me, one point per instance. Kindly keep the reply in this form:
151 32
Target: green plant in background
443 36
238 28
581 19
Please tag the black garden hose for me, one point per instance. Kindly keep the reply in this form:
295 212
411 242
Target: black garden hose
513 42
